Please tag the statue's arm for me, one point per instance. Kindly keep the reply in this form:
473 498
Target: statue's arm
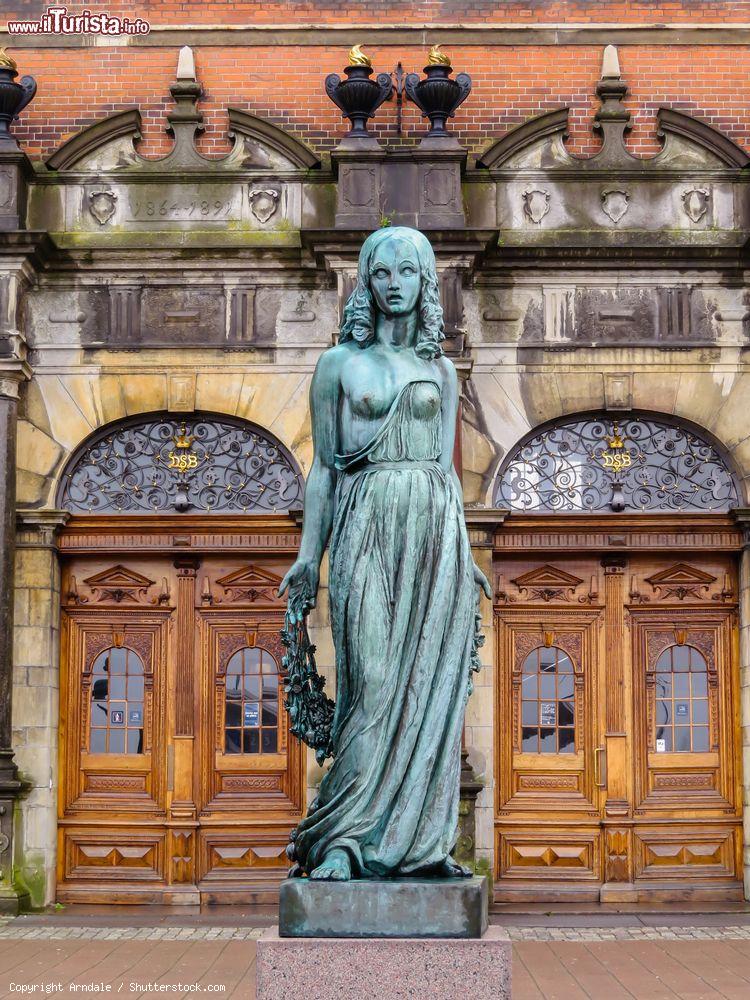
321 482
449 413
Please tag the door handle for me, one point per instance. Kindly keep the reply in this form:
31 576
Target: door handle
170 768
600 773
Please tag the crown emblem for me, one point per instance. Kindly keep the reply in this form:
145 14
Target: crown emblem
616 457
616 441
182 440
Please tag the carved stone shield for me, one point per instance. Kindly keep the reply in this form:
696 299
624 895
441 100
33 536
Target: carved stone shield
6 189
695 203
102 205
615 203
535 204
263 203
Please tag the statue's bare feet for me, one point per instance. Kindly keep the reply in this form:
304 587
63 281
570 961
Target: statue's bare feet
335 867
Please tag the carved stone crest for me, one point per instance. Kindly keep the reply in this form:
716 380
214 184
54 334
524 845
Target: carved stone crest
6 188
615 203
102 205
264 202
535 204
695 203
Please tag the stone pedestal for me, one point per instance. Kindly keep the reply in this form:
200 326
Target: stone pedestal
384 968
398 908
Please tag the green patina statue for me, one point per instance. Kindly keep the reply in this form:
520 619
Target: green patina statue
383 494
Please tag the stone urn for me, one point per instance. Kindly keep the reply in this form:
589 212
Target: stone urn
358 96
13 96
437 95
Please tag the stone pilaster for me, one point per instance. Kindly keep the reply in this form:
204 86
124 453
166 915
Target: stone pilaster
36 697
11 375
481 724
743 518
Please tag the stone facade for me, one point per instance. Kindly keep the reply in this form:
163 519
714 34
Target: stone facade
576 277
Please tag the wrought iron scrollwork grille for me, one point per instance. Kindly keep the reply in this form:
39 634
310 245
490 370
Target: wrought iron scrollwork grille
633 464
201 464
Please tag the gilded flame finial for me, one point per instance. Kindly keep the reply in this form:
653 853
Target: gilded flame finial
437 58
6 61
357 57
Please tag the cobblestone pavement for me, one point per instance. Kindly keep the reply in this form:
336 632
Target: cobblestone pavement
16 930
41 956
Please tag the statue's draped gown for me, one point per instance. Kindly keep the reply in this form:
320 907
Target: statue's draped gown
403 603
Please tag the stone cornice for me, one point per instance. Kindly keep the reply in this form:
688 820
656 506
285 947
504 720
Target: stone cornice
346 35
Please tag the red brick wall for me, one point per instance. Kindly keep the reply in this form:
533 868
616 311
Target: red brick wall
247 12
284 83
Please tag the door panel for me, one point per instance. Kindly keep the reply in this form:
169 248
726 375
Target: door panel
548 826
179 780
652 645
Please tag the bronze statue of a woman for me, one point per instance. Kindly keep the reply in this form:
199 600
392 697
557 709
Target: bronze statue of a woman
383 494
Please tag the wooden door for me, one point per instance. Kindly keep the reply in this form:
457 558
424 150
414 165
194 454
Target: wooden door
179 782
617 728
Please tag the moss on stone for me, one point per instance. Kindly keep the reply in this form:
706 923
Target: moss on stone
31 878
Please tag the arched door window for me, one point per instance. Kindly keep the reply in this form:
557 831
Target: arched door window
682 714
600 465
251 702
201 464
117 699
548 702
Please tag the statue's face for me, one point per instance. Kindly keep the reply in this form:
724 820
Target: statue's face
395 279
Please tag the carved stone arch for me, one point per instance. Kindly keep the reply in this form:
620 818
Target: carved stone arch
538 143
109 144
193 463
267 134
529 133
112 129
699 133
628 462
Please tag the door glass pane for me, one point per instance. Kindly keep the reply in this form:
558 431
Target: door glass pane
681 702
700 712
547 685
565 718
681 738
664 739
548 702
567 741
700 739
251 702
117 690
565 686
663 685
547 741
530 739
116 741
530 712
699 684
681 685
269 740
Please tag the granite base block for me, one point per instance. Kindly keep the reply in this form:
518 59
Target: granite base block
384 968
394 908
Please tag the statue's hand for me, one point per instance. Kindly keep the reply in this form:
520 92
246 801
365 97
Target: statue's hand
481 581
302 582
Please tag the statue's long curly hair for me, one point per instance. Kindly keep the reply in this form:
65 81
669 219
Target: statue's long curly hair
358 321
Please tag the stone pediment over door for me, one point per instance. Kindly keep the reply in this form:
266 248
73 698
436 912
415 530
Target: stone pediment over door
108 191
682 198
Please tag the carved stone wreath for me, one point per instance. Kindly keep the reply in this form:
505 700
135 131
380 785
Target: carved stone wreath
200 464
